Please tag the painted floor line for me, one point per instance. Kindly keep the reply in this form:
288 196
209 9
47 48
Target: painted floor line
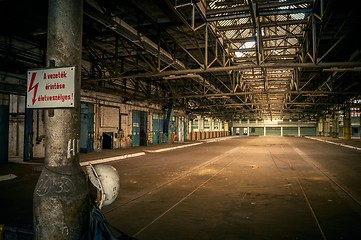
111 159
339 144
7 177
172 148
217 139
125 156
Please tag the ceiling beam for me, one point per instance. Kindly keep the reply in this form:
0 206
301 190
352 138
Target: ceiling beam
307 11
261 6
264 39
270 92
264 24
322 66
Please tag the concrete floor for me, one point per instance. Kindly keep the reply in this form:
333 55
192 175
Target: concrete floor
237 188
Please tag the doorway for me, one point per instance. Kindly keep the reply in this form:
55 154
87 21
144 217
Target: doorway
139 128
107 140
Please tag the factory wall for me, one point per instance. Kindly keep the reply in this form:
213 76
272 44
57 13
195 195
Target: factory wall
107 122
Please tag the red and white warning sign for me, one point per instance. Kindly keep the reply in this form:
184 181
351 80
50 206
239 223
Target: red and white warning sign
51 88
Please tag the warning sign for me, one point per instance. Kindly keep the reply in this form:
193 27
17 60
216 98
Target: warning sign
51 88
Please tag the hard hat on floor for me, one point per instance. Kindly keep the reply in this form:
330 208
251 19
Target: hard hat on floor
105 179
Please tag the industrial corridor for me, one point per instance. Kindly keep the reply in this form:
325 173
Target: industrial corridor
180 120
225 188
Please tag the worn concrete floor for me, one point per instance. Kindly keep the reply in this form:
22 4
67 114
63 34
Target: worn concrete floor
237 188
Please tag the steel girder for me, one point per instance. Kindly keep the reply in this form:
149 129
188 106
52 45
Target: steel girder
255 59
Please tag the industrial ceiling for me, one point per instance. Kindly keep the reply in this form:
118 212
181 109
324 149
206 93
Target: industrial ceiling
231 59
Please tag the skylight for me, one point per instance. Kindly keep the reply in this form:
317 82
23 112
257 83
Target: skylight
249 44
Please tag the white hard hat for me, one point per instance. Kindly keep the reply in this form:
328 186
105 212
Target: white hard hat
106 179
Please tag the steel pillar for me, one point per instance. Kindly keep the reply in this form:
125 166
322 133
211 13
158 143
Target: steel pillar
168 120
314 40
61 196
28 135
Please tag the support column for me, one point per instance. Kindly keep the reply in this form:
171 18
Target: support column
201 127
168 122
347 124
61 196
299 131
190 129
335 125
4 127
28 135
320 126
326 126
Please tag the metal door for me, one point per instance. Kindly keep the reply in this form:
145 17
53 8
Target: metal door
86 128
135 128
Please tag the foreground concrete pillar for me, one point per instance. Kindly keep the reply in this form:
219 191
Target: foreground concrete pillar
61 196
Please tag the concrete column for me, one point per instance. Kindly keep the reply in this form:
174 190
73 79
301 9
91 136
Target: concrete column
201 124
347 124
335 125
4 127
299 131
320 126
226 129
61 196
189 130
326 126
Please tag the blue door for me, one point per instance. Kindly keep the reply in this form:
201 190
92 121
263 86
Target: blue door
135 128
